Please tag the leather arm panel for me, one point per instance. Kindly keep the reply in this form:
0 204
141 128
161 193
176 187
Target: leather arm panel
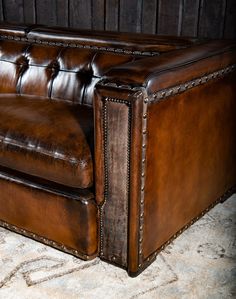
165 147
118 170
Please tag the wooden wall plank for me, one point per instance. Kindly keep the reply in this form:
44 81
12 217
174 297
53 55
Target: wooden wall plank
62 13
29 11
13 11
46 12
98 17
149 16
112 12
1 11
130 15
80 14
190 17
170 17
203 18
230 20
211 23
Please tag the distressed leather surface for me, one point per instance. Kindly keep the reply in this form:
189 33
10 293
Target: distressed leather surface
171 103
51 140
54 72
65 217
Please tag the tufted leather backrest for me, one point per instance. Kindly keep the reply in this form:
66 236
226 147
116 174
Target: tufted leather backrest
51 71
66 64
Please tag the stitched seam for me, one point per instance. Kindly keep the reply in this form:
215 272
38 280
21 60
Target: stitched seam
75 45
31 147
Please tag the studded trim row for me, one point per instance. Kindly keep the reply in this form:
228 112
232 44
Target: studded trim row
152 257
75 45
45 241
170 91
165 93
161 95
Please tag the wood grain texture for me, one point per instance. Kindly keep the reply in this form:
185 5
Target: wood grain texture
130 15
230 20
80 14
1 11
211 22
112 15
199 18
170 17
62 12
190 17
13 10
29 11
46 12
149 16
98 14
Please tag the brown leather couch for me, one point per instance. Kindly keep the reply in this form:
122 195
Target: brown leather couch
112 144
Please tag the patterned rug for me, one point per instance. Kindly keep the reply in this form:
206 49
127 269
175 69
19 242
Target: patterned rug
201 263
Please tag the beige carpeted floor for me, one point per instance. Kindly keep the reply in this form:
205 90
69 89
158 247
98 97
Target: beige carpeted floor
201 263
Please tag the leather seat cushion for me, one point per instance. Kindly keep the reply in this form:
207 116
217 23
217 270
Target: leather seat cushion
47 138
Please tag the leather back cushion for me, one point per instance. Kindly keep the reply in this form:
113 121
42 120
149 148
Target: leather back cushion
51 71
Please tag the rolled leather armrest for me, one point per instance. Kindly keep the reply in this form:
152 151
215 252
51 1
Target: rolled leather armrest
164 148
175 67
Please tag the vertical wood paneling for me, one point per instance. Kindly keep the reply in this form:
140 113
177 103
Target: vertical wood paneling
98 16
130 15
112 15
190 17
169 17
62 13
202 18
80 14
211 23
46 12
13 10
29 11
230 20
149 16
1 11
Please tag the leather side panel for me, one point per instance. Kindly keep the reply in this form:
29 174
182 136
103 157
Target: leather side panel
191 157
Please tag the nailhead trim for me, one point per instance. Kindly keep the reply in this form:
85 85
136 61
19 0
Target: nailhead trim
75 45
44 240
106 176
221 199
165 93
143 169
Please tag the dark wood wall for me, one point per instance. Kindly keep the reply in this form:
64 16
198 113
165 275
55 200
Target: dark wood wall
205 18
